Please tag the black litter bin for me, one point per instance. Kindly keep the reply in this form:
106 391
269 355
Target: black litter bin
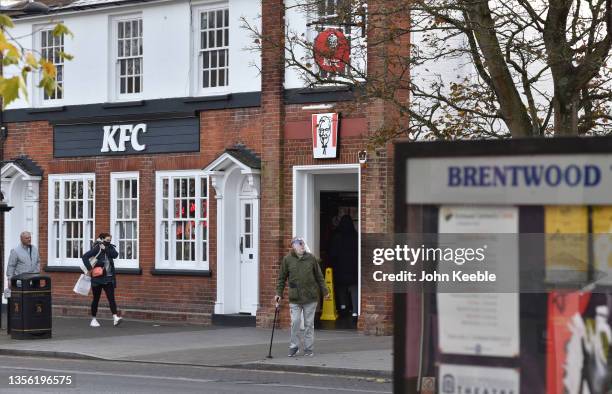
30 307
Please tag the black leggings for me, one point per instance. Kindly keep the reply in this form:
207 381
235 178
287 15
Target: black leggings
109 289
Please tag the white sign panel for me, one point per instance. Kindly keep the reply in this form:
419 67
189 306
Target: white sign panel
461 379
325 135
484 324
538 179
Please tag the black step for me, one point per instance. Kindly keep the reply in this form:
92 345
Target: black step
234 320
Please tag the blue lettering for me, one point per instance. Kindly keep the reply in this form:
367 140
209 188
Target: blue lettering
514 170
469 174
454 176
592 175
499 175
572 175
533 175
485 174
553 171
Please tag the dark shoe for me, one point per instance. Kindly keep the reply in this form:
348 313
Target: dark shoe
292 351
308 353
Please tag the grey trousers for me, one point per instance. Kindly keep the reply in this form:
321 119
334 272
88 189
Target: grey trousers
296 322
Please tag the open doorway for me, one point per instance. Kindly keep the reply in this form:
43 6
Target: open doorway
338 248
320 194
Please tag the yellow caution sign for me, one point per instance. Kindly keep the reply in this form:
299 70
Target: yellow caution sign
329 305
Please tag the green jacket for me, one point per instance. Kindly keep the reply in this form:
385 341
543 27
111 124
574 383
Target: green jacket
304 276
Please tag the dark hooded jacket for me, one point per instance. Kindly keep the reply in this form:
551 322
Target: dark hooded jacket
343 253
110 252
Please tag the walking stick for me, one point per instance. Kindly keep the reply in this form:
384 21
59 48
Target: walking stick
273 327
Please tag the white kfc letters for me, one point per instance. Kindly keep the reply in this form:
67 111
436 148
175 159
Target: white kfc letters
127 133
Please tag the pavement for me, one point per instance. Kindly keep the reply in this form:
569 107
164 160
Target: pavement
337 352
96 376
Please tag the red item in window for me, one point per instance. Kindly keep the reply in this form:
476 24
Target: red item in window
332 50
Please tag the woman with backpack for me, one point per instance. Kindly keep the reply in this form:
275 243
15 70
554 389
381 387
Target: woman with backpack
99 262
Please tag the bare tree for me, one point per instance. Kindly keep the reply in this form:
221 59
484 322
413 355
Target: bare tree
467 68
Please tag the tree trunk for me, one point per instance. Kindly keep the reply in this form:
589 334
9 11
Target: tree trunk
566 115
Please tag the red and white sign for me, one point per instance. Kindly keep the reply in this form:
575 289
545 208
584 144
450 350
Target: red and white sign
332 51
325 135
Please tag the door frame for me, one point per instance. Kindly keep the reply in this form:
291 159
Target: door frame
302 175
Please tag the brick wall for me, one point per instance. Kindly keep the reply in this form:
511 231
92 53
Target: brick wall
144 296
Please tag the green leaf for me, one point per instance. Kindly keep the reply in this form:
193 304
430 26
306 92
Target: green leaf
6 21
65 55
61 29
10 88
48 84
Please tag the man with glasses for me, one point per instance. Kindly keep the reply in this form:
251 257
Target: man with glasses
302 272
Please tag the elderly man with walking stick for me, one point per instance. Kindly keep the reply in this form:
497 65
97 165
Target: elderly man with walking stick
302 272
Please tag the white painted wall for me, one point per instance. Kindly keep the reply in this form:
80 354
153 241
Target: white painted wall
168 51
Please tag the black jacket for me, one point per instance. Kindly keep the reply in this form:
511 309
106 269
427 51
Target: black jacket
343 251
111 254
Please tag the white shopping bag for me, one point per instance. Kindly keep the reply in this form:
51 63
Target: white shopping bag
83 285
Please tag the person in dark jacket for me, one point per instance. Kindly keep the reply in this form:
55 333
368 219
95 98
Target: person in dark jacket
102 275
343 258
301 269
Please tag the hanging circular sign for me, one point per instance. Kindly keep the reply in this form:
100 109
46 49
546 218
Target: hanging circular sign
331 50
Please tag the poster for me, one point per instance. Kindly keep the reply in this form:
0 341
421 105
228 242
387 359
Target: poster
461 379
482 323
579 343
324 135
602 243
566 243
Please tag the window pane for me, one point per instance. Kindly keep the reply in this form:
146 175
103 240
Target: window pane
204 20
165 187
134 188
219 40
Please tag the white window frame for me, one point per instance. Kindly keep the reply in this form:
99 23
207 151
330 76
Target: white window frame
39 94
171 263
52 260
114 178
197 88
114 81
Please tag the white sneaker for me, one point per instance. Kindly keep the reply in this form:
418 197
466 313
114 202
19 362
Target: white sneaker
94 323
117 320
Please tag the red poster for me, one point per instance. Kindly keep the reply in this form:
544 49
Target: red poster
579 338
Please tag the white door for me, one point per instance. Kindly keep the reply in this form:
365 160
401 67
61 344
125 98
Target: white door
248 239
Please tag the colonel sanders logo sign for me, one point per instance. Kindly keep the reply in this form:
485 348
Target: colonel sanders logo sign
324 135
332 51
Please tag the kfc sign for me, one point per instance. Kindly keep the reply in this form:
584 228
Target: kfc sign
325 135
116 136
332 51
127 137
